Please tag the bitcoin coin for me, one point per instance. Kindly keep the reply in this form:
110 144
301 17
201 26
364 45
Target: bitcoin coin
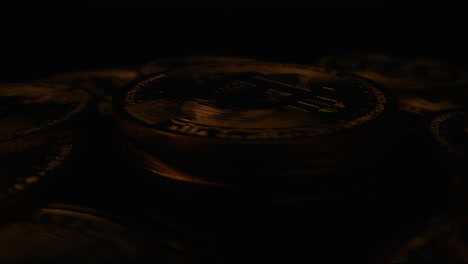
100 83
29 112
61 233
255 127
170 63
251 108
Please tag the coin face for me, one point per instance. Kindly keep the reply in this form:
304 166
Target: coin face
397 72
174 62
69 234
28 109
252 102
100 83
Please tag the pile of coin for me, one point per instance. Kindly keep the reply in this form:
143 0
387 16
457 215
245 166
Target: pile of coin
222 142
219 159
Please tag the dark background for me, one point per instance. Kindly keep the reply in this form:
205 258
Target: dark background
49 41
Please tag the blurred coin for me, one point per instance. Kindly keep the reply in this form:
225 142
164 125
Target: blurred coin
174 62
70 234
252 108
100 83
30 112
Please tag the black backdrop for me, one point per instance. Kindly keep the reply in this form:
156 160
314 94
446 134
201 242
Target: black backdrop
33 45
49 41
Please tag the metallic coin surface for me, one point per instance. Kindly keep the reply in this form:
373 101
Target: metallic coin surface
252 103
100 83
70 234
173 62
29 111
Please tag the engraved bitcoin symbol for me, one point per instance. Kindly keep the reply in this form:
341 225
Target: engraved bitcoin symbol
319 102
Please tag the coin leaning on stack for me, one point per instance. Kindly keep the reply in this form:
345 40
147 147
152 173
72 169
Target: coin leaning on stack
267 127
225 148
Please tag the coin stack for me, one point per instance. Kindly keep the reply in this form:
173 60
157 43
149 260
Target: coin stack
230 143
